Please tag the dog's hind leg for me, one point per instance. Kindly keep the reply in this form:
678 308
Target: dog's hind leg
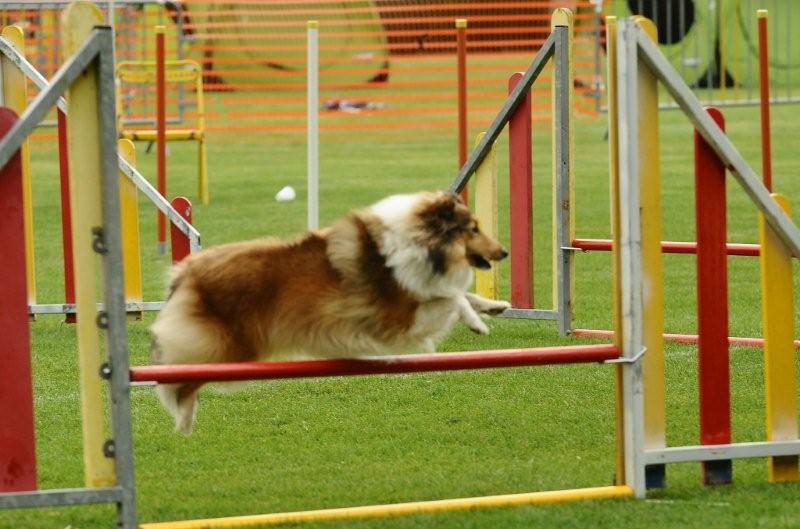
486 306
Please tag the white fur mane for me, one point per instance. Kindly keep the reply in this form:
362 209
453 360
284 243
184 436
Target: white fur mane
410 263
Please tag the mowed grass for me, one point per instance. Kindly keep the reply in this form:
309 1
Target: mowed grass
309 444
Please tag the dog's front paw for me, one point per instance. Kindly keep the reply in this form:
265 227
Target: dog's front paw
478 327
497 307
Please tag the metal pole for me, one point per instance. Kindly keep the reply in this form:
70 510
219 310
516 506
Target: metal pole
121 446
630 258
562 163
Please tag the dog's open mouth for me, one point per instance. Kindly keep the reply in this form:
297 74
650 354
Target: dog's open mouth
479 262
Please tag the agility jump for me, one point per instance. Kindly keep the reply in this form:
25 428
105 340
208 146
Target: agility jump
565 244
17 70
636 353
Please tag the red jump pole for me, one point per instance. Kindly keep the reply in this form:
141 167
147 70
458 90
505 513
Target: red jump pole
164 374
680 247
461 53
66 220
180 241
161 136
763 70
17 437
712 304
678 338
520 159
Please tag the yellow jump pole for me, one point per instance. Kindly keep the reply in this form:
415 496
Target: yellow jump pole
487 281
129 213
85 172
564 17
202 157
15 97
780 375
613 176
652 274
399 509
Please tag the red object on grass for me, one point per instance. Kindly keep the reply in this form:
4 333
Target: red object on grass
17 437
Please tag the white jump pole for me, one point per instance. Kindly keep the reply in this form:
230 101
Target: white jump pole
313 124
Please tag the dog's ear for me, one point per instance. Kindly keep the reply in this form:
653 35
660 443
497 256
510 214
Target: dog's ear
445 216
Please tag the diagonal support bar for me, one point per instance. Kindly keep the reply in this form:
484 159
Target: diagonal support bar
512 102
719 142
50 96
127 169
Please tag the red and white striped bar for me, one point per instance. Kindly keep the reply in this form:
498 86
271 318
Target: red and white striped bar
678 338
165 374
604 245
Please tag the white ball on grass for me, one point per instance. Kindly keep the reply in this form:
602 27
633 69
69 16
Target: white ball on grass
286 194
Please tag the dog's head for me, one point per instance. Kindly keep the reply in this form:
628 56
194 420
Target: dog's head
452 234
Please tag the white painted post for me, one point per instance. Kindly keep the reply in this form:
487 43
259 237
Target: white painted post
630 258
313 124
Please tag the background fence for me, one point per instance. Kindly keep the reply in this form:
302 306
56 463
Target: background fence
389 66
385 65
713 44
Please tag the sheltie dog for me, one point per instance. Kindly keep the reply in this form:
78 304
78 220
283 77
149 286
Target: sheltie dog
388 279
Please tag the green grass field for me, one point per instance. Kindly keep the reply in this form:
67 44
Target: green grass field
309 444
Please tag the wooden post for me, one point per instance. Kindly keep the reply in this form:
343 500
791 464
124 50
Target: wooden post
129 217
712 304
461 53
780 373
66 214
763 71
15 96
17 434
520 159
161 136
487 281
180 242
652 274
83 123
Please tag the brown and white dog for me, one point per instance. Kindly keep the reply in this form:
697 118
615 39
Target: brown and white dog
389 279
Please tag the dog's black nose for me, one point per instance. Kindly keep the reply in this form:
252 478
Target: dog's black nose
503 254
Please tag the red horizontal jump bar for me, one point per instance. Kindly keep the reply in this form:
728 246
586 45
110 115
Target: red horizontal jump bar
679 338
374 366
604 245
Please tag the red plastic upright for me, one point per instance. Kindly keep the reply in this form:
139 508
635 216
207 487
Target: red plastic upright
17 439
520 158
712 304
66 220
180 242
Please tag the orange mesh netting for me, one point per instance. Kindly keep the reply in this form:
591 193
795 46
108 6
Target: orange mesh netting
384 64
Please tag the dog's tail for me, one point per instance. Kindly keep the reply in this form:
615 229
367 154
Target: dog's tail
181 401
